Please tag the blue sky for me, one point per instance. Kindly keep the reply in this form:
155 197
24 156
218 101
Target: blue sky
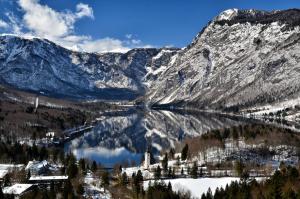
118 25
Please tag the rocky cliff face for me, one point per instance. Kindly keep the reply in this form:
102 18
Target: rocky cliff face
241 59
42 66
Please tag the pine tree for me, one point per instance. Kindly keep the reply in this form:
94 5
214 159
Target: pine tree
68 189
172 153
124 179
209 194
52 190
94 166
1 193
80 189
28 174
188 170
177 161
173 173
184 152
157 173
194 171
82 165
169 186
165 164
105 179
6 181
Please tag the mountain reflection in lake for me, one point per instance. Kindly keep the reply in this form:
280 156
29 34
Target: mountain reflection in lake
121 137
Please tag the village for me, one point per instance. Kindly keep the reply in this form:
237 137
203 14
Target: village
20 180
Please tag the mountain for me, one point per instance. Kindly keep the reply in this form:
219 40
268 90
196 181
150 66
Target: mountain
241 59
40 65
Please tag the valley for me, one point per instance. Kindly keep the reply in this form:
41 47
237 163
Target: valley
225 108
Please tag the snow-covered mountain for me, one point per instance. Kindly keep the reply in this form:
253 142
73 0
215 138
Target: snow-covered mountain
39 65
242 58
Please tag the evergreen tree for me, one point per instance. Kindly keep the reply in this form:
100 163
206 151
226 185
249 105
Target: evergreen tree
28 174
124 179
80 189
139 176
68 189
165 164
105 179
276 184
72 168
137 180
94 166
177 161
194 171
172 153
157 173
209 194
52 190
82 165
173 173
43 153
170 172
239 168
201 172
169 186
1 193
6 181
184 152
188 170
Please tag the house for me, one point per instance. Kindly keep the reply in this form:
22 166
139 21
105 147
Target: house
11 167
47 179
7 168
50 134
37 167
2 175
17 190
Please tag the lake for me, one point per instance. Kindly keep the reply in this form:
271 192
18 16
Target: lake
123 136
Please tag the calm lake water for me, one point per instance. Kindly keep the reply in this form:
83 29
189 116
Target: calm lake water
123 137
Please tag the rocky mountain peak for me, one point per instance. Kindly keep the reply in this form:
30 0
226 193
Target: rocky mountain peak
242 58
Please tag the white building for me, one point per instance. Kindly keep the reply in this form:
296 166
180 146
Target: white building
47 179
17 189
37 167
147 160
36 104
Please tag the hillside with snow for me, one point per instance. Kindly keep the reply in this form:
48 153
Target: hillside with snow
243 60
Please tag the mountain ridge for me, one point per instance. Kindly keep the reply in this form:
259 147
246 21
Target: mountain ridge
242 58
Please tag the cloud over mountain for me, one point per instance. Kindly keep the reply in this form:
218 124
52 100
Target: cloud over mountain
39 20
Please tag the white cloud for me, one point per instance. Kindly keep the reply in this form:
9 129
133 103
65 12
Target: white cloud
14 24
42 21
128 36
83 10
104 45
3 24
46 22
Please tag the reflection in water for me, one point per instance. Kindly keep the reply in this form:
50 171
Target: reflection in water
108 157
126 135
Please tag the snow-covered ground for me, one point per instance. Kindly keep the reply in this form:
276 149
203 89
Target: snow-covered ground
92 188
199 186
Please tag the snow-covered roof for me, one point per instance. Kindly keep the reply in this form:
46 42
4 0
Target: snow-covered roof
46 178
17 189
36 164
3 173
11 166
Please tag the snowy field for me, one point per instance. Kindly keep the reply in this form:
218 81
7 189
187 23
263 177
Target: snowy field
199 186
